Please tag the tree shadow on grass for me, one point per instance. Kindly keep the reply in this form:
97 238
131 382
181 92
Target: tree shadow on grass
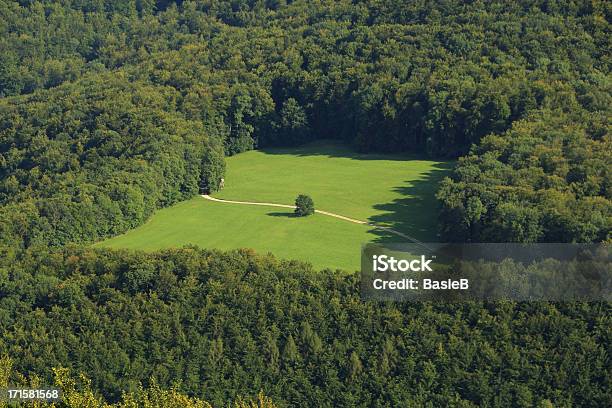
338 149
416 213
285 214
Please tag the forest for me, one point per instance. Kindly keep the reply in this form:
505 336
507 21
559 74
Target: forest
218 323
110 110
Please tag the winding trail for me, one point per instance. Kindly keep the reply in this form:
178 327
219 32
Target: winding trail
342 217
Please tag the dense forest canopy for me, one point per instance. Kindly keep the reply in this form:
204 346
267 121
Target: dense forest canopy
93 160
219 324
111 109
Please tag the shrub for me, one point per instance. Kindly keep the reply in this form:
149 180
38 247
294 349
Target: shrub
304 206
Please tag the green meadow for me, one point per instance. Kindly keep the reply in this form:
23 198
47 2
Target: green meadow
396 191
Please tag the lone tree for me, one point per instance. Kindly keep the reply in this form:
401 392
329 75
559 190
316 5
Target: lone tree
304 206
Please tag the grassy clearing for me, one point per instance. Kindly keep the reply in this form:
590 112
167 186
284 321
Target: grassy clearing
321 240
395 191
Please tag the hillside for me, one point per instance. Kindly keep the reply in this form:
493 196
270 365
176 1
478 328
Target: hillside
116 115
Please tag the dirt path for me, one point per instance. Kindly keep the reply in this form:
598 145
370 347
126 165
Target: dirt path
342 217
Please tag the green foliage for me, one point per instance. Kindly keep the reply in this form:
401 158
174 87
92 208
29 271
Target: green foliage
292 128
304 206
96 158
213 168
545 180
386 76
216 326
77 392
